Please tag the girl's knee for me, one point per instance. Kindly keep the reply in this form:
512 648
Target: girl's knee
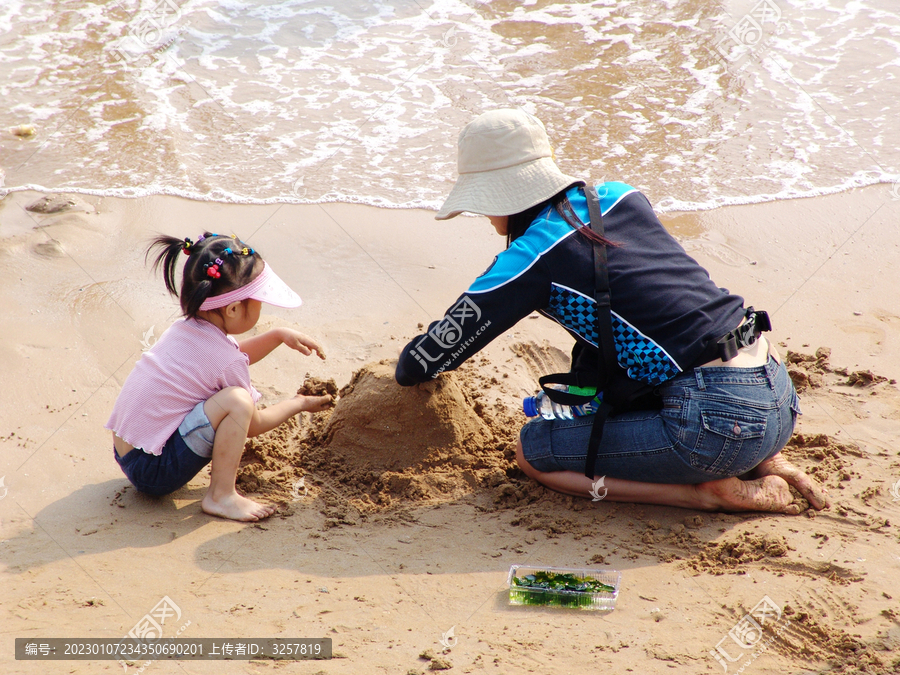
237 398
231 401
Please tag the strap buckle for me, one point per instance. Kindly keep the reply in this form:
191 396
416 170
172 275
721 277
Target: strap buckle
744 335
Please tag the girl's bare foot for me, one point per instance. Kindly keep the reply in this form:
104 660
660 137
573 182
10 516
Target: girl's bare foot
811 490
316 403
769 493
236 507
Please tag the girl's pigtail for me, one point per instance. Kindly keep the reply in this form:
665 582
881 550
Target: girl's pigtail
191 301
167 257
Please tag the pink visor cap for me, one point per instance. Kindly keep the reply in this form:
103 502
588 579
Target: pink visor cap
267 287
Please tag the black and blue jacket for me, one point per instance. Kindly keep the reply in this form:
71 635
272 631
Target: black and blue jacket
667 313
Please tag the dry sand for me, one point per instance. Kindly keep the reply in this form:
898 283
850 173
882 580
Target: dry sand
400 521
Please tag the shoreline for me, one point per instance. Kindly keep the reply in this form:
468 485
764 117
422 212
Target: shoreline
665 205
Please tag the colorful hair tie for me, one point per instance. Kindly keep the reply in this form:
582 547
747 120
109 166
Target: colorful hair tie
228 251
247 251
212 269
186 246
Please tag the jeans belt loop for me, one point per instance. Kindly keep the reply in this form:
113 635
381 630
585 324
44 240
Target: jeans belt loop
698 373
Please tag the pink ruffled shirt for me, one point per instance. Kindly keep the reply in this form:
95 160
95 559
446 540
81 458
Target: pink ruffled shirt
189 363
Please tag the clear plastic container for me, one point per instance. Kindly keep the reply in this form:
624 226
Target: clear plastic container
535 586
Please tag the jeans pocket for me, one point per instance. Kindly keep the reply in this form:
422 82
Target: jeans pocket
729 442
795 407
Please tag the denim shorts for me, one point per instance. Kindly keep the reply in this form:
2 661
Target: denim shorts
188 450
716 422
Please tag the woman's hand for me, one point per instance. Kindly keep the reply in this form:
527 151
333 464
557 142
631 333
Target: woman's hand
302 343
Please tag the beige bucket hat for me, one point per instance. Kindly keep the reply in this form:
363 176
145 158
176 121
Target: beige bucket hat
505 166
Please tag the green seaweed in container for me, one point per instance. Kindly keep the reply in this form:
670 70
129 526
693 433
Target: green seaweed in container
555 589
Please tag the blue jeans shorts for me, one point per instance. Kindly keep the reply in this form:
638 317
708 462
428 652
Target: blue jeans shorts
188 450
716 422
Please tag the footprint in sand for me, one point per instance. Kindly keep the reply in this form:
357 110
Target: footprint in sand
541 359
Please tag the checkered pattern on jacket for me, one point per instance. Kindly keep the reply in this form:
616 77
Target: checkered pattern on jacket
641 357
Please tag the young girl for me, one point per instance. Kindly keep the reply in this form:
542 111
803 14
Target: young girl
189 399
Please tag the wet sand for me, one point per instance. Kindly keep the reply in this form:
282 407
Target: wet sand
83 555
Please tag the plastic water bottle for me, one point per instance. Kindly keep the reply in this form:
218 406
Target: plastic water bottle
540 404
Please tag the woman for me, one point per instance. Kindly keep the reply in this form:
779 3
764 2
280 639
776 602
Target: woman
716 417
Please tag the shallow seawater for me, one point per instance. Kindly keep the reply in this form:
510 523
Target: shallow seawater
697 103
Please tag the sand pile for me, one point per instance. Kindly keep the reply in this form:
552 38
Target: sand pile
812 371
436 441
379 424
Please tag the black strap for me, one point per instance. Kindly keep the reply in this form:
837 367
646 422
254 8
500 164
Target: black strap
596 435
605 339
580 379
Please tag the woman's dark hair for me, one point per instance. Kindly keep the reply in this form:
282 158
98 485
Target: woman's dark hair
215 264
518 223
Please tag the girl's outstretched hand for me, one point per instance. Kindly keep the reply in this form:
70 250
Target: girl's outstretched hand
315 403
302 343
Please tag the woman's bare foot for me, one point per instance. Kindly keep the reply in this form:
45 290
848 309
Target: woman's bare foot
769 493
811 490
316 403
235 507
